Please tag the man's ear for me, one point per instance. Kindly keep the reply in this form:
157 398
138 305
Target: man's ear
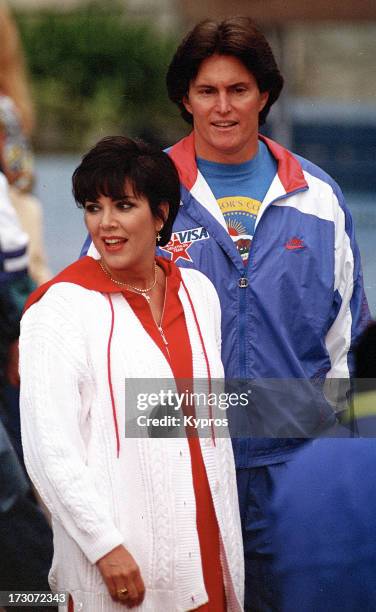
264 97
187 104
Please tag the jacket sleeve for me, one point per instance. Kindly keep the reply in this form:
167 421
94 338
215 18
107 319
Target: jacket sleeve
54 372
350 313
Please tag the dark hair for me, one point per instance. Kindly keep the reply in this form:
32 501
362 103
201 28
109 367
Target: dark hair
236 36
152 174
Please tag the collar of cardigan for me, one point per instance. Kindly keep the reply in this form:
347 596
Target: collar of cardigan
87 273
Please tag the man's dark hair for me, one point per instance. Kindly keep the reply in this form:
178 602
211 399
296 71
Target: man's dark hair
236 36
115 159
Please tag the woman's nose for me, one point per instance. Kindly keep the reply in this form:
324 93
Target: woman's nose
108 220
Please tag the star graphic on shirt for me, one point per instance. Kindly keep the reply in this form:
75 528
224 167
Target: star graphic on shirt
177 249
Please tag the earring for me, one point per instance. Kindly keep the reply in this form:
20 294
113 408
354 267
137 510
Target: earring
159 237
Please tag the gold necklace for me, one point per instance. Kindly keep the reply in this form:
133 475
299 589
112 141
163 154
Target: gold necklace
142 292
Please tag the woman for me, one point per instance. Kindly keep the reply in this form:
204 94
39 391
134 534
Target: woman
151 523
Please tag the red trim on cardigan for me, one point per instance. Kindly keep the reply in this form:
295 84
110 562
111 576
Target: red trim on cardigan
109 376
85 272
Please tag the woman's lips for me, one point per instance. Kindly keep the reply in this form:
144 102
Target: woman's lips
114 244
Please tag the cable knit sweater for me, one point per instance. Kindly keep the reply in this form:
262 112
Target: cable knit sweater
142 496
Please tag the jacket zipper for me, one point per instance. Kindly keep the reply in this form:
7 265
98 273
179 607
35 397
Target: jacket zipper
243 284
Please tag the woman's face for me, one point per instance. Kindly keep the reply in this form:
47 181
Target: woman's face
123 232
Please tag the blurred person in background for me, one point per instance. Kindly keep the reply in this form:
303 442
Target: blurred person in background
13 275
25 536
146 523
16 162
324 511
16 158
273 233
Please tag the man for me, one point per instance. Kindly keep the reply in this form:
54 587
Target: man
272 232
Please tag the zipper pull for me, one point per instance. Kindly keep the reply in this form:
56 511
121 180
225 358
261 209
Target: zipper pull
243 282
162 334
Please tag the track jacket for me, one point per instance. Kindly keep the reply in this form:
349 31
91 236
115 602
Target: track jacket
297 309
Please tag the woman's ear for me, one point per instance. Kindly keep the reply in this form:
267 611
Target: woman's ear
163 210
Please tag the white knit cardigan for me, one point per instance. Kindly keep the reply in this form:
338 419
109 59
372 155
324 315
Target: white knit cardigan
142 497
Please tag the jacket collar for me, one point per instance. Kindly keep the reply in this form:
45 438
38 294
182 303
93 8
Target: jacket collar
290 171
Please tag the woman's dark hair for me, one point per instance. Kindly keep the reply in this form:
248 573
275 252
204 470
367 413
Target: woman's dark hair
236 36
152 174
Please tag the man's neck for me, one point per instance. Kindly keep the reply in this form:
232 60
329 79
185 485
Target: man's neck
226 157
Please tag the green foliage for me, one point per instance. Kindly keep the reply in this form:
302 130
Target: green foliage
94 73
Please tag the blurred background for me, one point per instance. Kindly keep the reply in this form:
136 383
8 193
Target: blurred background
98 68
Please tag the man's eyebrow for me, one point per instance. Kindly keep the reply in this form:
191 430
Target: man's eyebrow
215 85
203 84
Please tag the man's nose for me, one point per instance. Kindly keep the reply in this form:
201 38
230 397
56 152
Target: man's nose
223 102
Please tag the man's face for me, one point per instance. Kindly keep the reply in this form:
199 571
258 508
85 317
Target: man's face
225 103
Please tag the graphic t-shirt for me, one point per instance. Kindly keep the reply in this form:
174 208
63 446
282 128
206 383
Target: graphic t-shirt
239 190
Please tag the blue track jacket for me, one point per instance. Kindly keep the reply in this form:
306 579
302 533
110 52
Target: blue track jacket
297 309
